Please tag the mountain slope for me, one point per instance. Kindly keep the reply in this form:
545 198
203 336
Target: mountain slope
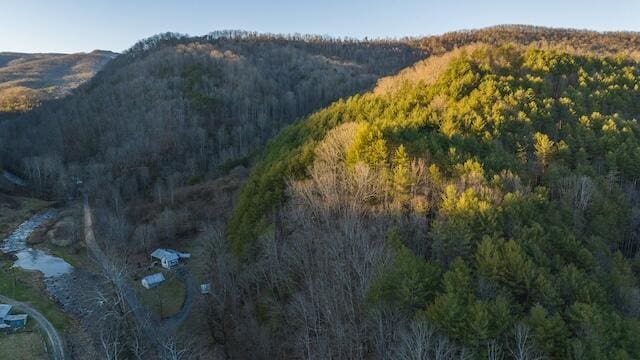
26 80
228 92
496 203
173 104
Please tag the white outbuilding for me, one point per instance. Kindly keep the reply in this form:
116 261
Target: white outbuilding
153 280
205 289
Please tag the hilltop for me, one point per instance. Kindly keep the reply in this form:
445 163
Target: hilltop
26 80
575 40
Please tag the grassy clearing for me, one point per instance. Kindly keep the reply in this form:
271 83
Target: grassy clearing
165 299
196 325
26 287
74 255
23 345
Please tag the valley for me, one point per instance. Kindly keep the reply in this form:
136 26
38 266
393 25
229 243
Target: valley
471 195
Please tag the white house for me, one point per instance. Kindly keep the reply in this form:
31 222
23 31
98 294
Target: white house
11 322
16 321
168 259
152 281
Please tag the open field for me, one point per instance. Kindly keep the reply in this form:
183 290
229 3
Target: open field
23 345
27 287
74 255
165 299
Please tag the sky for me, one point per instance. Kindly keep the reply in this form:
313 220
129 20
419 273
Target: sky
84 25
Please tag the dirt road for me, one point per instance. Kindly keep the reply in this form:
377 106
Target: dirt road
156 332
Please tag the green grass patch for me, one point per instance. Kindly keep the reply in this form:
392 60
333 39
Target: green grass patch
23 345
74 255
165 299
21 285
26 287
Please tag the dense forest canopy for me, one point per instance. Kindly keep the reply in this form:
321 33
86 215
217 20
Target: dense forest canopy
506 190
173 107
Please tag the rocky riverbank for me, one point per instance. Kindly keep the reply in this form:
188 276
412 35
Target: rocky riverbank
71 288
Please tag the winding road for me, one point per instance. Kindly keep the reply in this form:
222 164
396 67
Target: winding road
171 323
155 331
53 337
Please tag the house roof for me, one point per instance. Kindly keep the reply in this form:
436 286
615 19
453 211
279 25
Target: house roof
5 309
16 317
154 278
164 253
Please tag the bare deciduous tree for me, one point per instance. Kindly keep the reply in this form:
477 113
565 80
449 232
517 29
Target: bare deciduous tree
420 342
523 348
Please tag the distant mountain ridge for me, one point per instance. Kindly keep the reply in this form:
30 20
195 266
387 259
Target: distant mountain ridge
228 91
28 79
576 40
190 105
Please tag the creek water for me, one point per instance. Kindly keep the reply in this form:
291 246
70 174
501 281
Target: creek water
34 259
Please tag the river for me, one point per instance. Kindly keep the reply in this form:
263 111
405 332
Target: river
34 259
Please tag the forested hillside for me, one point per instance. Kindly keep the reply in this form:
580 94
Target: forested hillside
469 195
491 210
575 40
174 107
26 80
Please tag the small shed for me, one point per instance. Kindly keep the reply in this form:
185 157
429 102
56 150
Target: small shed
153 280
205 289
168 259
16 321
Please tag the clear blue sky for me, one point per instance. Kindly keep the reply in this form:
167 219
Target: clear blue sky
84 25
